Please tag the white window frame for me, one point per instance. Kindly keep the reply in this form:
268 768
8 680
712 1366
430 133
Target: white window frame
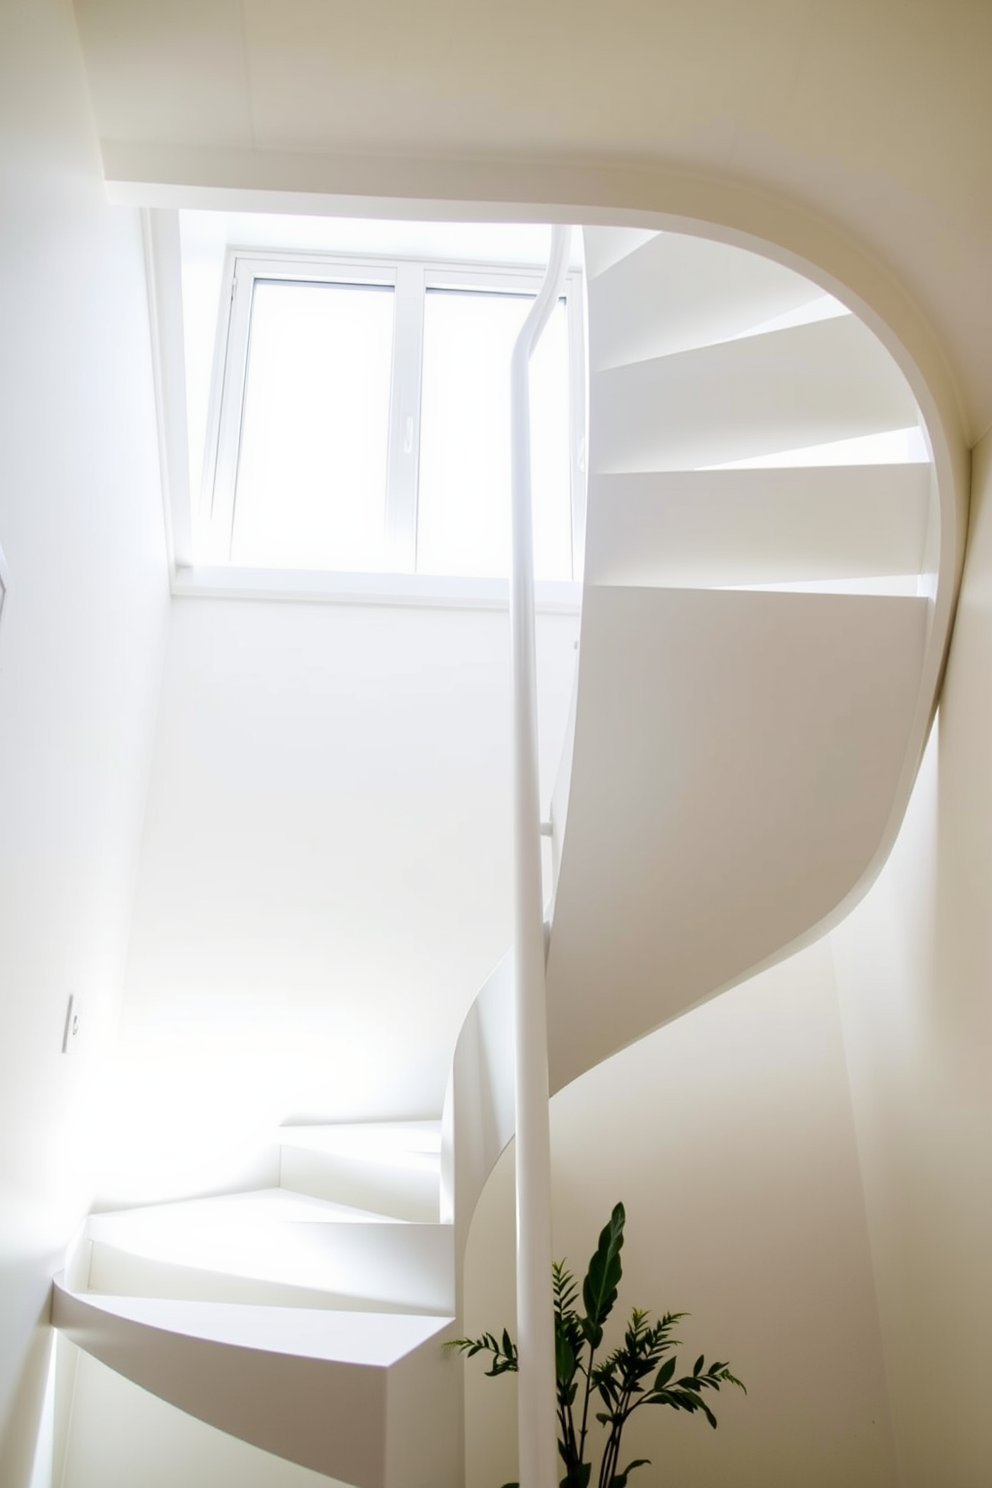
410 280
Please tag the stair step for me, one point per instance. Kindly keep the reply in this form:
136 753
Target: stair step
124 1273
763 394
712 529
400 1144
375 1339
675 293
606 246
285 1239
288 1380
390 1166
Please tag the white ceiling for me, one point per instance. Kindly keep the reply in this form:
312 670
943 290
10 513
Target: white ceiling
875 113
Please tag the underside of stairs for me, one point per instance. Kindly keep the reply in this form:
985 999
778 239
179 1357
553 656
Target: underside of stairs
756 677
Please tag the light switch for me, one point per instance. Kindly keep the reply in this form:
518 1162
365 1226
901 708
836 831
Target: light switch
70 1034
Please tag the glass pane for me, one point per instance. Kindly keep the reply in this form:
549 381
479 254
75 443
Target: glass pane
463 509
311 487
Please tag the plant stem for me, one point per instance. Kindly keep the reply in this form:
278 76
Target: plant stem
585 1408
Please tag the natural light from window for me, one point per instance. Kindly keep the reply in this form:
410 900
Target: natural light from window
463 514
311 477
348 394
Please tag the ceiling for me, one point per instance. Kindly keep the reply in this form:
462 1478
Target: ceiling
876 114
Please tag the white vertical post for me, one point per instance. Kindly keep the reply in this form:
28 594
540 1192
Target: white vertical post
535 1328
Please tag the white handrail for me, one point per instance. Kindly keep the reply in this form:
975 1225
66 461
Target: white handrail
537 1428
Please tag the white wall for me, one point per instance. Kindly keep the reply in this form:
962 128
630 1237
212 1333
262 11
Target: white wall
915 971
325 874
80 660
123 1437
729 1137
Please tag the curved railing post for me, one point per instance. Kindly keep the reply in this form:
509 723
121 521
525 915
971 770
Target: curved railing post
535 1329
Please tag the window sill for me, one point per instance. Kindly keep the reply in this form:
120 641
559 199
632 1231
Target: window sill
303 586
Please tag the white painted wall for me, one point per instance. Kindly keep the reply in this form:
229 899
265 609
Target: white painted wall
80 661
123 1437
325 874
729 1137
915 970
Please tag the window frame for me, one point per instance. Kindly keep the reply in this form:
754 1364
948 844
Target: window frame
410 280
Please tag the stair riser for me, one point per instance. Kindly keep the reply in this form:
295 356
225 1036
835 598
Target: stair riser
785 390
677 293
706 529
409 1267
118 1273
405 1193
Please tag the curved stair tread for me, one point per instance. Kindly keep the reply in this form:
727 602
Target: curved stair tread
606 246
251 1206
127 1273
371 1339
758 395
674 293
288 1380
279 1237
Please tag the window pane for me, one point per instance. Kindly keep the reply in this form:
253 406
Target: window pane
311 486
463 509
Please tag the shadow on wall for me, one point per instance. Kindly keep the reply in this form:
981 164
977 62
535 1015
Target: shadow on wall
26 1443
729 1137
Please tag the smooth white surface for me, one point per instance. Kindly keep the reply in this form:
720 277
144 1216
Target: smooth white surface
678 293
372 1339
80 662
707 529
123 1436
480 1103
294 1240
755 396
710 826
258 1205
320 771
535 1327
389 1143
728 1136
913 966
289 1380
855 178
872 126
433 591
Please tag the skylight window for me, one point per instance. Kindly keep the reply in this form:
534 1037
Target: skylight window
310 484
359 413
463 516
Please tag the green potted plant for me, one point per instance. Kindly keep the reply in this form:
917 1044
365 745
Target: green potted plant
643 1370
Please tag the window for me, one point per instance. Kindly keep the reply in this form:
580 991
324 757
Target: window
360 418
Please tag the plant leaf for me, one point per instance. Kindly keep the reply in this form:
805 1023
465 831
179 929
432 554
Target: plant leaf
599 1290
619 1480
564 1358
665 1373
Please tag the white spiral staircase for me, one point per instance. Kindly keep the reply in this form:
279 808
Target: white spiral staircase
755 679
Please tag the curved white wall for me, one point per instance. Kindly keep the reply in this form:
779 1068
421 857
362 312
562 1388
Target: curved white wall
914 966
729 1137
